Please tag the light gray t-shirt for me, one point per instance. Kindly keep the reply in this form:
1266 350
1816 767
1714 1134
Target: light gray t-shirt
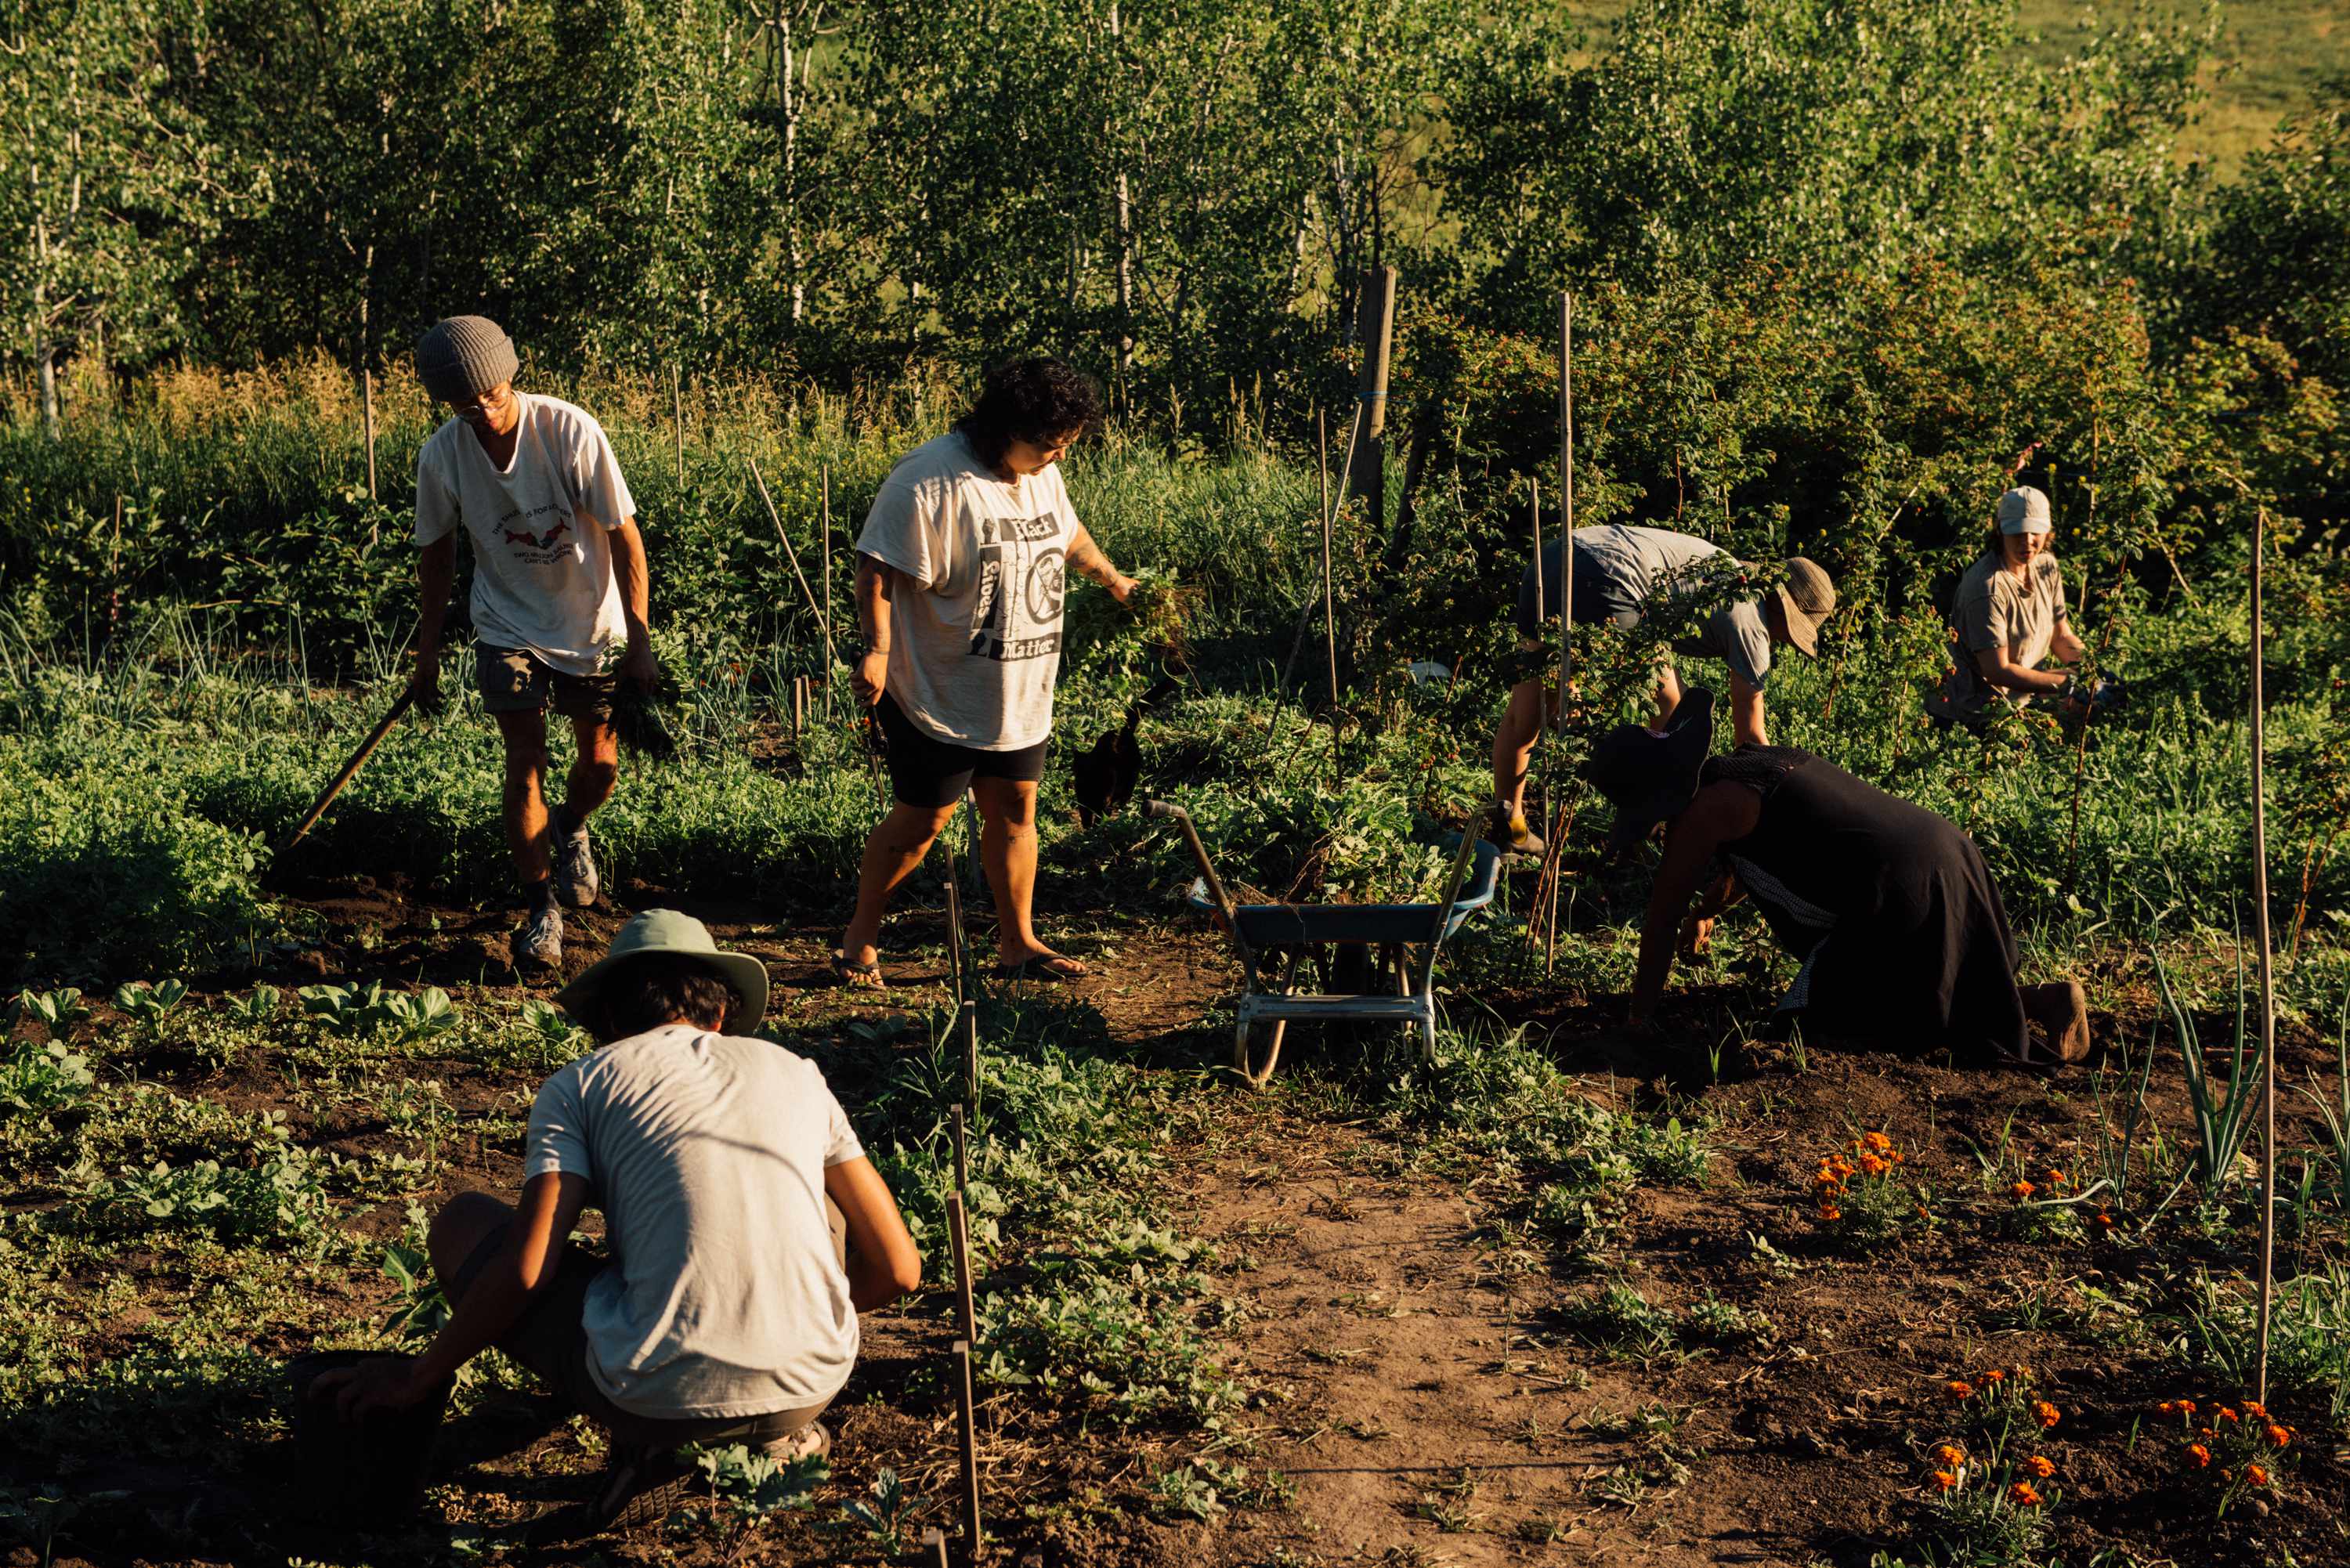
707 1154
975 651
1992 609
542 579
1636 570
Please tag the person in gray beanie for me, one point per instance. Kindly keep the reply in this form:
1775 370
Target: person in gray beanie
559 601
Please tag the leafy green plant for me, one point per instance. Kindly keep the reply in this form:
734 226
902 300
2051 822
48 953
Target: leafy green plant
37 1079
2222 1111
752 1485
1184 1493
422 1309
277 1198
886 1514
58 1011
256 1007
148 1003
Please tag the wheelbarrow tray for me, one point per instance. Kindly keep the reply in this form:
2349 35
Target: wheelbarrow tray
1262 925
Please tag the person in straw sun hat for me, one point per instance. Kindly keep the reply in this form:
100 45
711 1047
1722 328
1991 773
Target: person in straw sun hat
746 1227
1890 909
1624 575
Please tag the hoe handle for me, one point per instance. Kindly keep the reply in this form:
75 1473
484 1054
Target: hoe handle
319 807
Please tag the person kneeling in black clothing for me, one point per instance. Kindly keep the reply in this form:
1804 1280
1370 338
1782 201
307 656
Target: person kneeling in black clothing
1890 908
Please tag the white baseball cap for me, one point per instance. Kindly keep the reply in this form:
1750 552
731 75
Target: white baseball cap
2024 509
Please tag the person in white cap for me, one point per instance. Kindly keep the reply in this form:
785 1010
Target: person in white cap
2008 618
560 586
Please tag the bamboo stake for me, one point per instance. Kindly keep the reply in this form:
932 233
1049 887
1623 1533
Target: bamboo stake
826 475
973 1535
954 923
799 706
677 423
958 1234
2268 990
823 621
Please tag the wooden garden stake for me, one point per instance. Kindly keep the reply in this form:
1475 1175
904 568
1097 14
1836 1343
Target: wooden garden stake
958 1234
799 706
677 423
970 1052
327 796
969 1432
1565 588
826 474
1329 601
366 421
954 938
2268 990
823 621
962 1165
934 1549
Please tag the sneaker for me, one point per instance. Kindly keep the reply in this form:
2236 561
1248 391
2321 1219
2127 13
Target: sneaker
646 1485
540 943
574 862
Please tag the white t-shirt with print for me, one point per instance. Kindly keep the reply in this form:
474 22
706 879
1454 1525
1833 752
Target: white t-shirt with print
707 1154
975 651
542 578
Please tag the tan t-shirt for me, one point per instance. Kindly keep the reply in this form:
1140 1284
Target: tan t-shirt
975 652
707 1155
1992 609
542 578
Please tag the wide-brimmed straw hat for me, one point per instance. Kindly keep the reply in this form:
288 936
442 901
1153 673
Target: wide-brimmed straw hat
669 932
1806 598
1652 778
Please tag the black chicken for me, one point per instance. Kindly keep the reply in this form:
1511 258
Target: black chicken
1107 771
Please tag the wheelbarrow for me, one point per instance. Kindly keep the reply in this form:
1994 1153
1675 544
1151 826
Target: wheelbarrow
1267 1002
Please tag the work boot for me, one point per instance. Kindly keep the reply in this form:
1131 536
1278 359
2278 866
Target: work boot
2058 1014
646 1485
574 862
1517 838
540 943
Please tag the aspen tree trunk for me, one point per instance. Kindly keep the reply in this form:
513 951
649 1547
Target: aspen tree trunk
1125 249
788 104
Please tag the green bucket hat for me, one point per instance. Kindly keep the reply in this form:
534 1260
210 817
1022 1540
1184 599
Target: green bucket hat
1651 778
669 932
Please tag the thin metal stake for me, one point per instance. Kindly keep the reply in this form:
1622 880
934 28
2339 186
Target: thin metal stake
677 423
974 1534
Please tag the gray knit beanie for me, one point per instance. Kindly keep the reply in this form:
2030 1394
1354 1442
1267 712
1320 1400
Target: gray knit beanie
463 356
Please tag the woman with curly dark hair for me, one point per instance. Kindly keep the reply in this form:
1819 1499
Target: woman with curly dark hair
960 575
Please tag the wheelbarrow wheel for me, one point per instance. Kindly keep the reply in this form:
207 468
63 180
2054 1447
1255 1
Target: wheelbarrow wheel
1246 1060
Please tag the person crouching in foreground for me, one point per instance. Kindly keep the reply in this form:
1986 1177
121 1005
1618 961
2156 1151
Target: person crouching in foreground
960 572
1891 909
747 1230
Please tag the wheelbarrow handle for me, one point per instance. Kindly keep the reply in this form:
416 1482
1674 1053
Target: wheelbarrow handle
1183 819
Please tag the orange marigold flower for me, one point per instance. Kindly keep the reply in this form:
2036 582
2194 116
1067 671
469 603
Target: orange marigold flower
2255 1409
2025 1494
2200 1454
2277 1435
1951 1455
2047 1414
2256 1475
1873 1165
2054 1176
2024 1189
1831 1211
1922 1212
1944 1480
1957 1389
2104 1219
1880 1142
1993 1376
2040 1466
2171 1407
2224 1413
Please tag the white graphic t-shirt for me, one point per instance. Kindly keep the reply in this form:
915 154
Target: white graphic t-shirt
974 653
542 578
